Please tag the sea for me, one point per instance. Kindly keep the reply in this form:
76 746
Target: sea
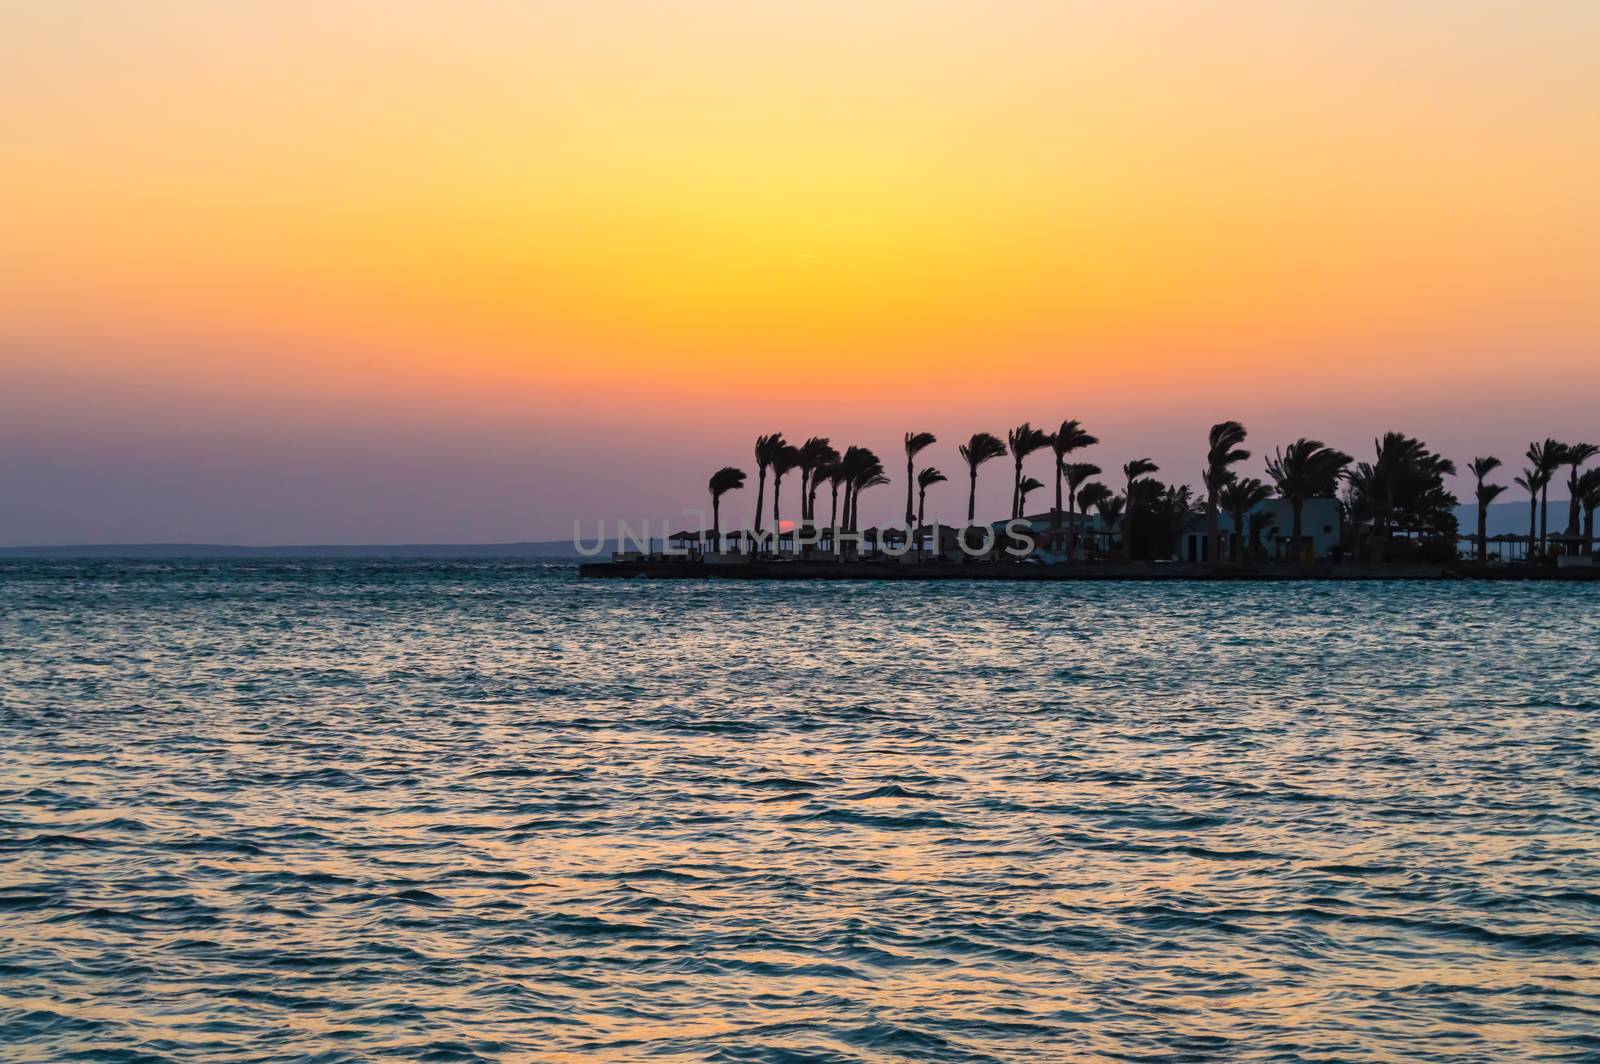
482 810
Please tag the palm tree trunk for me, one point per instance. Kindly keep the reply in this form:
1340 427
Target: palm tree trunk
1388 508
1213 528
1572 502
1544 520
833 514
972 497
716 522
1056 538
1588 529
911 479
761 495
1072 525
1127 524
777 525
1016 491
1533 523
922 502
1483 533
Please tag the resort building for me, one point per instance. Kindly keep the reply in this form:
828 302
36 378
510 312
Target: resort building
1270 528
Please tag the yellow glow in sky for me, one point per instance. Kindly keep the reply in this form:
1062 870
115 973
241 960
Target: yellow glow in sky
674 206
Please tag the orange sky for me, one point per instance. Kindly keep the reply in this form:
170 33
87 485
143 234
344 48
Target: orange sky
468 271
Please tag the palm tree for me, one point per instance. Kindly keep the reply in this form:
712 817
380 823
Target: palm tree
818 475
850 465
915 442
1576 455
1029 485
766 448
926 478
722 481
1092 494
1024 440
1308 469
1405 479
1486 493
982 447
836 475
1395 453
1531 481
1077 473
860 465
784 460
1111 508
815 453
1222 451
1241 496
867 480
1589 499
1133 471
1068 438
1546 457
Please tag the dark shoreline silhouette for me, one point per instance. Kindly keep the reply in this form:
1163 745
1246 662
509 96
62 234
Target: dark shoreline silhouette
562 549
1100 571
1394 507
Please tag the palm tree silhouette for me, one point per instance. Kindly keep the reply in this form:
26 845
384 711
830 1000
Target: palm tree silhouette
1133 471
849 467
785 459
1024 440
837 475
926 478
1028 486
915 443
823 471
766 448
1486 494
1066 439
1222 451
722 481
1404 468
815 453
1589 498
860 465
1531 481
1308 469
1111 508
867 479
1546 457
1077 473
1575 455
1240 496
1395 453
979 449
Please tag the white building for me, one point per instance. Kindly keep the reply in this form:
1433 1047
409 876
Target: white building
1273 522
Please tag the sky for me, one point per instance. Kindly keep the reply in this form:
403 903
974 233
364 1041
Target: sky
319 272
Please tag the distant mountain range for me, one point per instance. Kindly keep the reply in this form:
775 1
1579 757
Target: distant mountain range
1511 517
1503 517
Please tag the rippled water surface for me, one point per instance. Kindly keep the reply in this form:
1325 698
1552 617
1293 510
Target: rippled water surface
447 812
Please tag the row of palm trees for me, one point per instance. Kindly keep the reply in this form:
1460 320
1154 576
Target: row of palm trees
1544 462
1402 488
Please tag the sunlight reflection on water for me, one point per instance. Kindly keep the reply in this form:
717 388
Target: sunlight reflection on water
456 811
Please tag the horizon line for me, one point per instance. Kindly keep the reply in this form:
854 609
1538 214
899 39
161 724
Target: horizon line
22 549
